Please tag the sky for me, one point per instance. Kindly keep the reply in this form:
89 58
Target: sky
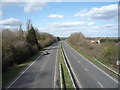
93 19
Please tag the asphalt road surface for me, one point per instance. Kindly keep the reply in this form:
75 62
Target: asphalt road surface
42 73
87 74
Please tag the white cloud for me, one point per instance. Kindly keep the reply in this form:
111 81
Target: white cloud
30 0
66 25
64 0
70 24
109 12
65 28
106 26
34 6
10 23
29 5
1 14
96 27
81 13
56 16
10 0
110 25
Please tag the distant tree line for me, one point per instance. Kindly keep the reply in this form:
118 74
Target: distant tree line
112 40
19 45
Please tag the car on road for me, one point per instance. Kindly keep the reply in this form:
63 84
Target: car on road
46 53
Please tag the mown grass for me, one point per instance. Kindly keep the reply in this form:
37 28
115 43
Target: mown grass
16 69
90 58
66 77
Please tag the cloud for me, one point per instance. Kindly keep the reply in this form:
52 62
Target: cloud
106 26
34 6
56 16
82 13
109 12
30 0
110 25
71 24
10 23
1 14
29 6
65 28
66 25
87 28
10 0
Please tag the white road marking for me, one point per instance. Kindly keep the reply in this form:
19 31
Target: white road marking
86 69
55 68
73 71
36 77
26 69
100 84
61 85
93 64
42 67
79 61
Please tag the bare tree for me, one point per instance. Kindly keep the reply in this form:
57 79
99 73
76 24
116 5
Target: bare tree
28 24
21 33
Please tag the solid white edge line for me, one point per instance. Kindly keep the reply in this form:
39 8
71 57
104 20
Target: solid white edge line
73 71
100 84
25 70
55 68
93 64
60 76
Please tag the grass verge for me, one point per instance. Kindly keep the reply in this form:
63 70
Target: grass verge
67 83
15 70
90 58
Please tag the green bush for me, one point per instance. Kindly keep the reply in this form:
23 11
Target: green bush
110 53
110 40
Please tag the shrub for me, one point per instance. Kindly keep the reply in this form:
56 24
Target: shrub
23 51
110 52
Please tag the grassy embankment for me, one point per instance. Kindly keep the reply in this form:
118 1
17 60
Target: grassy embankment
67 83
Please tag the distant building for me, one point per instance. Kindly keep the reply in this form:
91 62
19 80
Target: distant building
94 40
